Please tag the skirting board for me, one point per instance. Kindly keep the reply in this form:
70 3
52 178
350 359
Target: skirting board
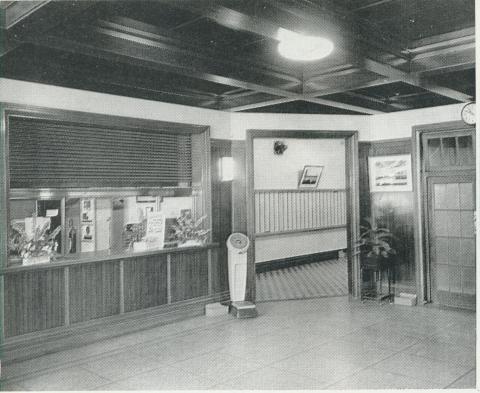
262 267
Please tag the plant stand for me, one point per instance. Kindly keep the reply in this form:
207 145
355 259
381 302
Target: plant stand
375 274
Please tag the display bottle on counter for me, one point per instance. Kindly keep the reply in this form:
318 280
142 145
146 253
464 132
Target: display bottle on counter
72 238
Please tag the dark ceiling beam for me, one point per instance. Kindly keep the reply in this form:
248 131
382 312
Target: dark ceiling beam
261 104
240 93
340 105
333 74
26 19
350 87
446 39
140 29
465 47
172 56
374 100
16 11
374 4
415 80
118 46
439 69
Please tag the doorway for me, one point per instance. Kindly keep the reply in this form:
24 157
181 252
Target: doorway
449 207
284 220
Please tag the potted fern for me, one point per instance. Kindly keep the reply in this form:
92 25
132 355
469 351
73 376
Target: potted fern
39 248
190 232
375 249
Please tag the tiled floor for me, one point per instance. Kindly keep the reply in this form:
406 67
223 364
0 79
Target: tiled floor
312 280
304 344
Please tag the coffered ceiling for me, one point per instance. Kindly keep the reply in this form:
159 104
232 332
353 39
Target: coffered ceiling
390 55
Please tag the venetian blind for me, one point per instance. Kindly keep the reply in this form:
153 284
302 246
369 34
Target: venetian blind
45 153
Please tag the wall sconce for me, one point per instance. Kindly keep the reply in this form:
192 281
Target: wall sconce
225 168
279 147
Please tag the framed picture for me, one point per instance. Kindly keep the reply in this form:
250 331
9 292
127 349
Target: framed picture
390 173
310 176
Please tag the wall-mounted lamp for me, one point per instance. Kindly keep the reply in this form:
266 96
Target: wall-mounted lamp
225 168
279 147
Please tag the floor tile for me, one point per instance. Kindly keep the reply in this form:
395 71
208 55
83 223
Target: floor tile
462 334
264 352
173 351
67 379
10 387
270 379
377 379
121 365
468 381
379 337
455 355
319 366
113 386
164 378
422 368
217 366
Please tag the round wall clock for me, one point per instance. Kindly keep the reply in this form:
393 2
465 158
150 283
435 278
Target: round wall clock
469 114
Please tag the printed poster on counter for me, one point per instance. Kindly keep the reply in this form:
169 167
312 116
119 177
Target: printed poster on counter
155 233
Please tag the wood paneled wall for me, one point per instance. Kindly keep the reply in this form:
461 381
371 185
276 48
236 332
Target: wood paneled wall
239 188
94 291
394 210
189 275
283 211
147 282
44 297
34 300
221 212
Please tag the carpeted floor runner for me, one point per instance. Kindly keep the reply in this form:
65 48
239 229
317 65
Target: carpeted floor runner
318 279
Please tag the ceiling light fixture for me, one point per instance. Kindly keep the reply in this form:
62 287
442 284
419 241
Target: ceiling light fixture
299 47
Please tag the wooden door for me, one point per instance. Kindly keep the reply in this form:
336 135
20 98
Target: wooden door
451 206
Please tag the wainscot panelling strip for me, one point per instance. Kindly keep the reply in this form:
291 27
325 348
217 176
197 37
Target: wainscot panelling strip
311 209
34 300
189 275
220 270
94 291
145 282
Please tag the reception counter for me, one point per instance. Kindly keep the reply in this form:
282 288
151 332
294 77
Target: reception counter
96 285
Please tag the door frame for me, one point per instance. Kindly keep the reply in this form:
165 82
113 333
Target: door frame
423 273
352 189
464 176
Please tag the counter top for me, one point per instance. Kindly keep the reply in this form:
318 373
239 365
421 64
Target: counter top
102 256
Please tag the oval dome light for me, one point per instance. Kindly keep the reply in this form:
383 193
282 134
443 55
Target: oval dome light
299 47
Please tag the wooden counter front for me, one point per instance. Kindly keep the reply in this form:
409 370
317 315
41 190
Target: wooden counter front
97 285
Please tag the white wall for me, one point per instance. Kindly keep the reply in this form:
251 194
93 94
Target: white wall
283 246
279 172
36 94
241 122
399 125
